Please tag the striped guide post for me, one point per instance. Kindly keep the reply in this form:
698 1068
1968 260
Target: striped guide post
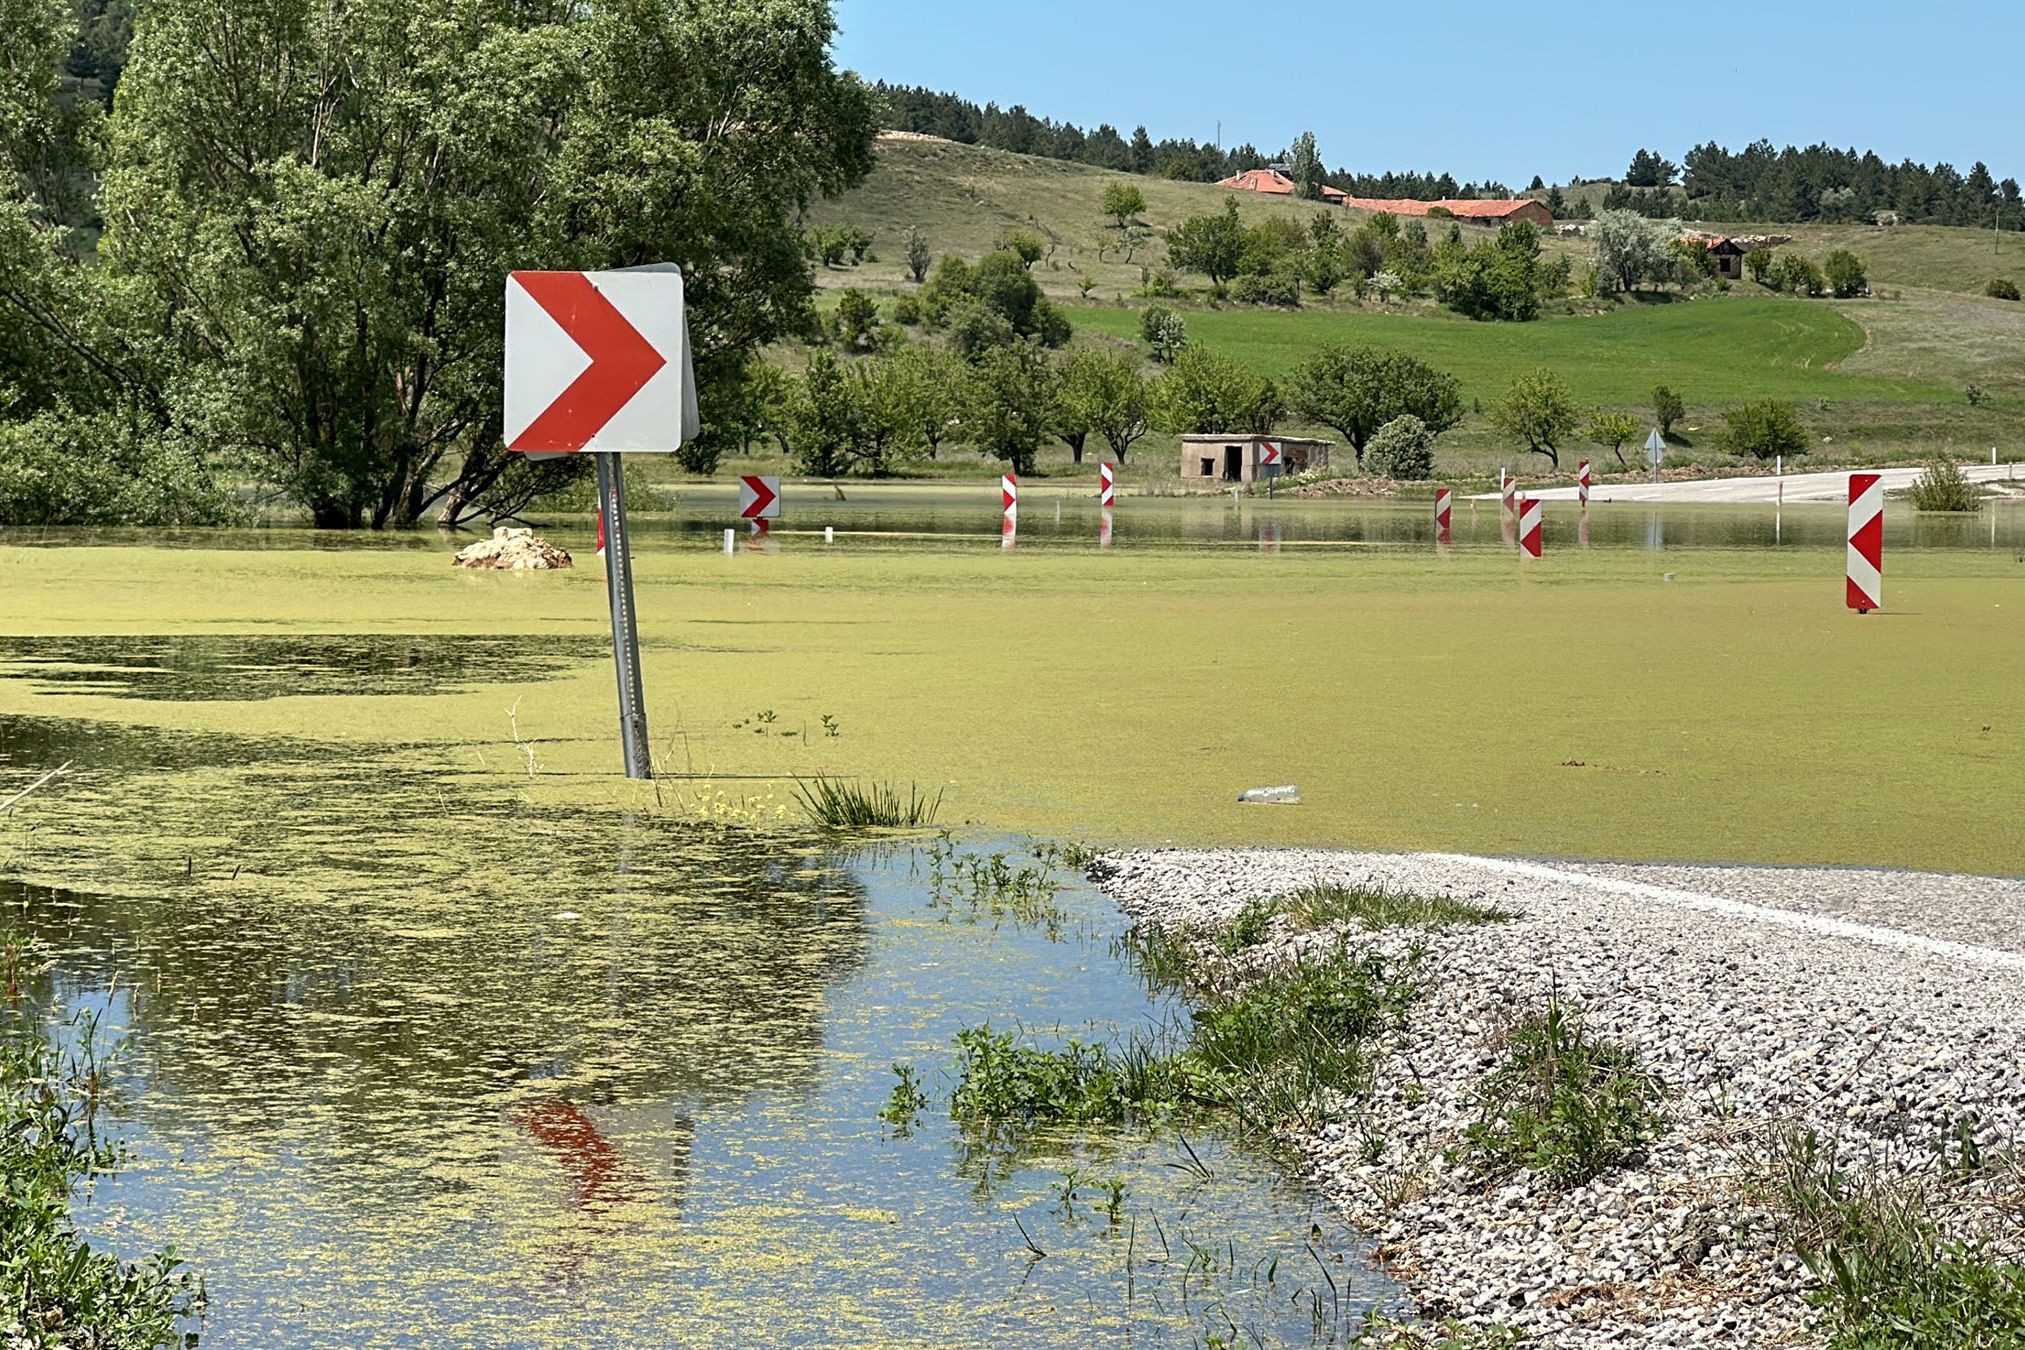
1531 513
1508 489
1582 482
1866 542
1009 497
1444 512
1009 533
1107 486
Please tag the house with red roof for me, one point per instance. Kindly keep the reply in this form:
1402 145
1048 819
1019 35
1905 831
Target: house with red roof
1273 183
1276 184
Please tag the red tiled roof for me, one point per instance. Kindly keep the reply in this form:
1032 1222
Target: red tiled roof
1261 180
1402 206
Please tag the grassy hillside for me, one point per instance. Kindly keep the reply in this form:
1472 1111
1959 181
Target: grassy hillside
1883 378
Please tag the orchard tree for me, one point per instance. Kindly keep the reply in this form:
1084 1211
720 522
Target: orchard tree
1007 402
1204 392
1122 202
930 386
1213 245
1026 245
1631 248
1538 410
1612 430
1357 390
1845 274
1165 332
1108 396
312 212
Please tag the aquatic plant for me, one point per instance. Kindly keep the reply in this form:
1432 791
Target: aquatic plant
992 885
903 1108
840 804
1944 487
55 1289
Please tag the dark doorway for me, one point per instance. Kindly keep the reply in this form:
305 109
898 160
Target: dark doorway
1233 464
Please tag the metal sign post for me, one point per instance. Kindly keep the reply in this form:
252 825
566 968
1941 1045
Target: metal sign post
598 363
625 629
1655 451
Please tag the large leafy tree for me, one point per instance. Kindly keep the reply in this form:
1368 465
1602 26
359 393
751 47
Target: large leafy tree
1205 392
317 205
1539 410
1213 245
1109 397
1357 390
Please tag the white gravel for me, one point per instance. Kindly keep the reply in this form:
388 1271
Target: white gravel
1875 1008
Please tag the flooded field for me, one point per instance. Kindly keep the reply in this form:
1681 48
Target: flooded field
442 1033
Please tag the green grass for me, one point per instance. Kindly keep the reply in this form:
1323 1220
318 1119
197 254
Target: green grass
1376 907
839 804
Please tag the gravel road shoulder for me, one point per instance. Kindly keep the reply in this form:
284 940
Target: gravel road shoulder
1878 1009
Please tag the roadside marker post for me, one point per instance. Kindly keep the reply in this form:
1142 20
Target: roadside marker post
1655 451
1582 482
1531 514
1865 580
1107 486
758 498
1104 527
829 534
598 363
1508 490
1009 496
1444 509
730 541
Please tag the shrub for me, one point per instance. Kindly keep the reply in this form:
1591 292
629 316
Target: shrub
1281 286
1764 429
916 244
1758 262
1844 271
856 322
1667 408
1800 276
2002 289
1944 487
1122 201
1403 448
907 311
1561 1102
1165 332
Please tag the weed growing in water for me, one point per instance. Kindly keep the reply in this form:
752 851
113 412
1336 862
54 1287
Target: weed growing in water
1944 487
831 727
1561 1103
836 804
1007 1088
903 1107
1375 907
51 1280
991 884
1889 1274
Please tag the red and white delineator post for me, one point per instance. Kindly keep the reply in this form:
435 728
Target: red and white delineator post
1582 482
1009 496
1866 542
1107 486
1531 515
1444 512
1508 489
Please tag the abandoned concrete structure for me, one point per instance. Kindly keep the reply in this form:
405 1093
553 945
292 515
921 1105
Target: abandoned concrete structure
1239 458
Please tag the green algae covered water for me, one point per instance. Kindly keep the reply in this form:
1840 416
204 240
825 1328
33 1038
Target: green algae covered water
405 1069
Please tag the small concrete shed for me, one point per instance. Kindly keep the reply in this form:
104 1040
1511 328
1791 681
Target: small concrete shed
1239 458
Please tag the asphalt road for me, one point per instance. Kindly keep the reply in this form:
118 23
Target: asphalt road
1794 487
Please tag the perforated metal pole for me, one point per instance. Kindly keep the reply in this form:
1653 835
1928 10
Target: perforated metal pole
625 633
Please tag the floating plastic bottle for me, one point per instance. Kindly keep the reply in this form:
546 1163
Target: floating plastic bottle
1289 795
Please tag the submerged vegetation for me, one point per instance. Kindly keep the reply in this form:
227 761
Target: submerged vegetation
1944 487
55 1289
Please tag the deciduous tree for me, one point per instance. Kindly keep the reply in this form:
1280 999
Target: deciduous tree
1213 245
1109 397
1122 202
1204 392
1538 410
1357 390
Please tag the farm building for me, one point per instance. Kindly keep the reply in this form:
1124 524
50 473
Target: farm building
1475 212
1275 184
1239 458
1728 253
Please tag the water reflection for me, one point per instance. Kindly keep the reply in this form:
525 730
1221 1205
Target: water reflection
415 1065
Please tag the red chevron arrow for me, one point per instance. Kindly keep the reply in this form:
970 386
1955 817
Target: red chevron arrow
622 361
762 497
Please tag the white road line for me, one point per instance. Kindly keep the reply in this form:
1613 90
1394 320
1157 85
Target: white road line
1823 924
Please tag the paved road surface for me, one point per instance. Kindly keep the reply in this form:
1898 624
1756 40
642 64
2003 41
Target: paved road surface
1798 487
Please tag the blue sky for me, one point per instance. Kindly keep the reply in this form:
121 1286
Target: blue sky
1478 89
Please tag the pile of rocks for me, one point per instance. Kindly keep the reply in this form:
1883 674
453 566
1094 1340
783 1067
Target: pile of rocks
511 550
1760 1020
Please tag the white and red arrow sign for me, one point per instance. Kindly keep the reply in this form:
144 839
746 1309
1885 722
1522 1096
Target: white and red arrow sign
1268 453
597 361
758 498
1865 589
1531 512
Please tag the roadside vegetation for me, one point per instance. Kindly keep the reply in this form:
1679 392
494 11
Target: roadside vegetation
1944 487
56 1289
